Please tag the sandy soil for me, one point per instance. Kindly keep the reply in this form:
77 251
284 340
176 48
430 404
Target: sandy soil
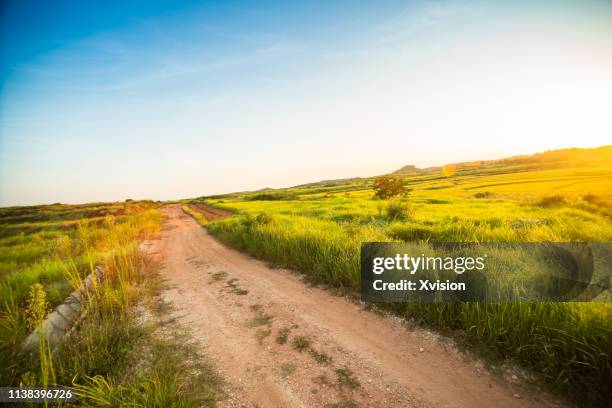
236 307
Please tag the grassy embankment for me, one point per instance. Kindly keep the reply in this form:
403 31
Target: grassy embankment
118 355
557 197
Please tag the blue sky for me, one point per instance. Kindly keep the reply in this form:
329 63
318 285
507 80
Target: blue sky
172 99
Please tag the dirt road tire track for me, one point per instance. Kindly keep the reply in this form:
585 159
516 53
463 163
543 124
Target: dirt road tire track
236 307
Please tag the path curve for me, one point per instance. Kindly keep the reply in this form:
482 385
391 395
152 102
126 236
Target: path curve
236 307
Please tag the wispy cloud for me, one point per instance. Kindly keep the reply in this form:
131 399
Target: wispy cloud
428 18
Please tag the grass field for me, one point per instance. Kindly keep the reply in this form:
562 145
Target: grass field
116 357
562 196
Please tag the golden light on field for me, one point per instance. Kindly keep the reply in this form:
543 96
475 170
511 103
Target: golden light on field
449 170
426 84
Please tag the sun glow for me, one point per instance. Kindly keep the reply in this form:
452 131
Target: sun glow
431 84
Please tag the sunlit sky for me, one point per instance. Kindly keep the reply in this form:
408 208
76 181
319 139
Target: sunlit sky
176 99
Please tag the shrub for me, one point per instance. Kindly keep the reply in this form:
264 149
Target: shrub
597 200
483 194
250 221
247 220
283 336
347 378
397 210
552 201
300 343
263 219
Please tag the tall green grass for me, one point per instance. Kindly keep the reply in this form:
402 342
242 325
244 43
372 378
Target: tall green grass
113 357
567 344
318 229
323 250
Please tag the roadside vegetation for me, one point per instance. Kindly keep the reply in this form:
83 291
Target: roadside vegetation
191 210
122 352
563 196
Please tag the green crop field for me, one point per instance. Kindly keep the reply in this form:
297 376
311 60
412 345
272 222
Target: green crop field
559 196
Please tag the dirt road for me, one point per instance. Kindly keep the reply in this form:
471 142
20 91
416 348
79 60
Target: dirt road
238 309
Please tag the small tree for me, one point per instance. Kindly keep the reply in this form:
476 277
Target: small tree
388 186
